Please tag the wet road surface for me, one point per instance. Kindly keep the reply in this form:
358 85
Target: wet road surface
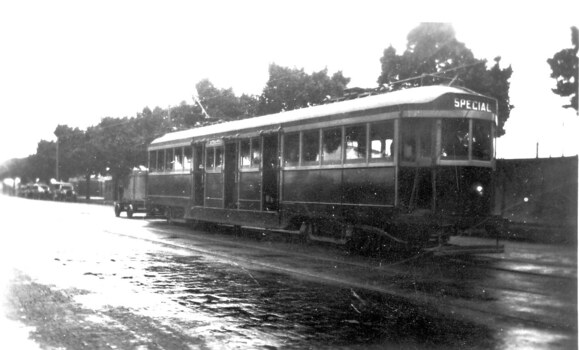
76 277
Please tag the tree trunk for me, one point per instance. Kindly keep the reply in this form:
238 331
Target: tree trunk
87 182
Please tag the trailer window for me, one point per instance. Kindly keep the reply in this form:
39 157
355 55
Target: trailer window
481 140
187 158
332 146
455 139
291 149
311 147
356 144
382 141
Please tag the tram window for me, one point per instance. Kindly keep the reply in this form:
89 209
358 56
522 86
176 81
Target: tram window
153 161
455 139
169 159
255 152
187 158
218 158
250 153
178 159
356 143
425 131
291 149
332 146
210 158
311 147
161 160
481 140
416 139
245 153
382 140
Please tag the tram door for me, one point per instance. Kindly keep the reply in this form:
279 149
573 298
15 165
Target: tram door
270 172
198 172
230 176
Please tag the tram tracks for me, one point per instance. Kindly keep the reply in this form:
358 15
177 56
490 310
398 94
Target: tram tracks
359 273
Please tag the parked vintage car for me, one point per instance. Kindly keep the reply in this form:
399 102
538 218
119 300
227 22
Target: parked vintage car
39 191
63 191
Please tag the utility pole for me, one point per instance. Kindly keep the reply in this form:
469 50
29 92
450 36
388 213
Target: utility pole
57 161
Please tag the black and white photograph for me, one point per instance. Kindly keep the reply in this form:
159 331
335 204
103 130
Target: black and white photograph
288 175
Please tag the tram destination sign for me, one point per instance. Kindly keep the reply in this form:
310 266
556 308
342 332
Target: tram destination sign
467 102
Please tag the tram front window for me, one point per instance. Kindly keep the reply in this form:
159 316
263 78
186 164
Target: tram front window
416 139
455 139
481 140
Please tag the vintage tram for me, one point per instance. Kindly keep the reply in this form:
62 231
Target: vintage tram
406 168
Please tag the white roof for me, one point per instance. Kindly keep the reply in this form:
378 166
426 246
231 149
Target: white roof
417 95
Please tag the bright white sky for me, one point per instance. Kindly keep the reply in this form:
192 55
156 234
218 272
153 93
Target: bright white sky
74 62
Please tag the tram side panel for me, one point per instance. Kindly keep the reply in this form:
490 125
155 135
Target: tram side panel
368 195
362 196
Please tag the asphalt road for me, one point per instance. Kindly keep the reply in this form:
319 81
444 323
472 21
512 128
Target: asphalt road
73 276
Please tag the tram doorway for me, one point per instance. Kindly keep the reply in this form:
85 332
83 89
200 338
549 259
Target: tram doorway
230 176
198 174
270 172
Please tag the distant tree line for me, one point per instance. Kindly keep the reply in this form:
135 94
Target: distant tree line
117 145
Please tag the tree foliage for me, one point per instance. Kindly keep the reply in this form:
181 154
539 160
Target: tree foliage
433 55
291 88
565 69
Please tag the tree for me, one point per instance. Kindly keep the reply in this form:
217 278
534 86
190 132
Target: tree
289 89
565 69
120 148
434 56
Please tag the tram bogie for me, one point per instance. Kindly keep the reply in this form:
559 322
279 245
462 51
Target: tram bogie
403 169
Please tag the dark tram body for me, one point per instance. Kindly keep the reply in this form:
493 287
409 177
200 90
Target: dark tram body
405 168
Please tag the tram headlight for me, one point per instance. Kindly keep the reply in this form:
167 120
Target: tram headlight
478 189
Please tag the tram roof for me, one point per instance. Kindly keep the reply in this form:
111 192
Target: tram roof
418 95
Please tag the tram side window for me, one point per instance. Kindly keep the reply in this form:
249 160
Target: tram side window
417 138
245 153
169 161
187 158
311 147
356 144
382 141
178 159
214 159
291 149
210 159
332 146
455 139
153 161
250 153
161 160
481 140
256 152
